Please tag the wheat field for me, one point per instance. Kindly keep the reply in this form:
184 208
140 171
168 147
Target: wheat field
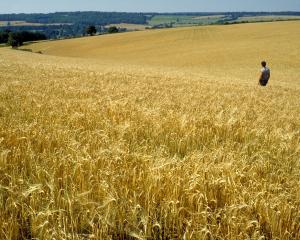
159 134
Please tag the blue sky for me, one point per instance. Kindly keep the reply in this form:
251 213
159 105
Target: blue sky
27 6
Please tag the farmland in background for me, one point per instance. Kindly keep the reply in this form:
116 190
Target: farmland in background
128 26
266 18
159 134
180 20
190 20
73 24
23 24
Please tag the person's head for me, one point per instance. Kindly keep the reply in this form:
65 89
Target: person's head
263 63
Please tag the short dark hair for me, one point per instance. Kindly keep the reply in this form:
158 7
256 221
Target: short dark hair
264 63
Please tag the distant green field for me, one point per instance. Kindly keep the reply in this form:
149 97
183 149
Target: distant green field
178 20
186 20
266 18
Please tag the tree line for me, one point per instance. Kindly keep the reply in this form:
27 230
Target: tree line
62 31
106 18
89 17
92 30
73 24
70 24
16 39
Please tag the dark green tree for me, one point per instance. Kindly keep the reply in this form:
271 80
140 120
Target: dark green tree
16 39
4 36
13 40
91 30
113 29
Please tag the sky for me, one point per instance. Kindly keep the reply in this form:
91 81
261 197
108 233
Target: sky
46 6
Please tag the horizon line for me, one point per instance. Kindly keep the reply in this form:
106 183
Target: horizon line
148 12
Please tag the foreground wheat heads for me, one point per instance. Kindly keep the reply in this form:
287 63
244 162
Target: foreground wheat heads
97 152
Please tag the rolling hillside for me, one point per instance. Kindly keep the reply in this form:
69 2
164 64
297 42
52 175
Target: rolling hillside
223 51
152 135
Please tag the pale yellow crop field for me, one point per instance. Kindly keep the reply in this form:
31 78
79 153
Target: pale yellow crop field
226 52
152 135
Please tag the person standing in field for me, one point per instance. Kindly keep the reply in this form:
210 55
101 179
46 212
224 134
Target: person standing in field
265 74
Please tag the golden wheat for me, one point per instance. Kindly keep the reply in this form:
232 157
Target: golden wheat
102 148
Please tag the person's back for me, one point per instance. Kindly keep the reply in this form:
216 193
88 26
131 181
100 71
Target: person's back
265 74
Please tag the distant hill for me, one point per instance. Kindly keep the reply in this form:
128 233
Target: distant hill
235 49
73 24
